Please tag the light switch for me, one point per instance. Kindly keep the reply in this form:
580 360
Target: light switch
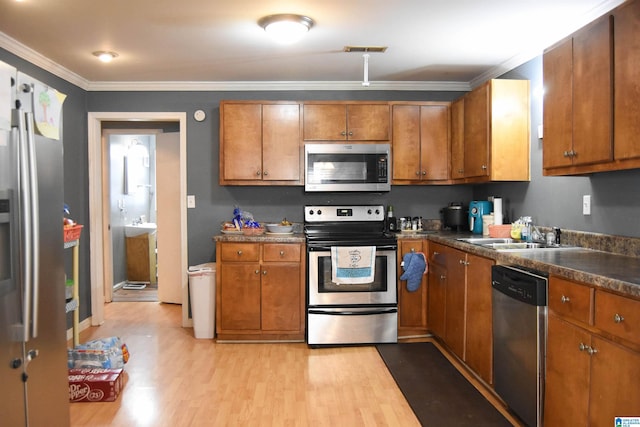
191 201
586 204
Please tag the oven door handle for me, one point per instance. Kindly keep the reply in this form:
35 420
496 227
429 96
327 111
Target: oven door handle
354 313
312 248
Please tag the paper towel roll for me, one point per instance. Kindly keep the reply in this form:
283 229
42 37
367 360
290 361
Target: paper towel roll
497 211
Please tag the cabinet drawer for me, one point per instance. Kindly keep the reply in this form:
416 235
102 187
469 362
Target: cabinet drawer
618 315
281 252
570 300
240 252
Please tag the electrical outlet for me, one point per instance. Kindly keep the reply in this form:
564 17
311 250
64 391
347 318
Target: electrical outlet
586 204
191 201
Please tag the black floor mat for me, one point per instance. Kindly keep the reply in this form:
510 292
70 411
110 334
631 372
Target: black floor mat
438 394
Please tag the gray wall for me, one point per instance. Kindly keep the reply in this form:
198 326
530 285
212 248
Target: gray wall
552 201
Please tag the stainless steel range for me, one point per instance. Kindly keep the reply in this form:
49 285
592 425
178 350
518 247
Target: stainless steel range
350 309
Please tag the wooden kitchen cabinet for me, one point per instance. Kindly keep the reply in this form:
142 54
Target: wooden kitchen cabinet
496 133
420 142
412 306
626 126
457 139
593 358
460 306
260 291
479 319
349 121
577 113
260 143
437 289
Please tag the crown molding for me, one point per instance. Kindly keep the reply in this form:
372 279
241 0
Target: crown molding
252 86
36 58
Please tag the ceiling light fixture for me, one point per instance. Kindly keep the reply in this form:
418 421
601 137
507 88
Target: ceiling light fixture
286 27
105 56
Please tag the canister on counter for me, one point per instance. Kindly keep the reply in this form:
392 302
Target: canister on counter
487 220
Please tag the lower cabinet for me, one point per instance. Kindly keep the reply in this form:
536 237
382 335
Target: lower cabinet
260 291
592 374
412 306
459 309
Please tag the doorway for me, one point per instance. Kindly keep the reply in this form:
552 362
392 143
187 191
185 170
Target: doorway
173 198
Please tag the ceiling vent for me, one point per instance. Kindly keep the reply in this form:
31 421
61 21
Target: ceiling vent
365 49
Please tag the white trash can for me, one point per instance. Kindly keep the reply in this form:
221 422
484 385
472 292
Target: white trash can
202 293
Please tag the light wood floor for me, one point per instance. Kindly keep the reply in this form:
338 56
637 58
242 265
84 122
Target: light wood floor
176 380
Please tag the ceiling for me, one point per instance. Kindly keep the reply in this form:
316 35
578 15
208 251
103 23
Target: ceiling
191 43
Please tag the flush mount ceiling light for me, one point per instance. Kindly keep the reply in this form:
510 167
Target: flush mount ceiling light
105 56
286 27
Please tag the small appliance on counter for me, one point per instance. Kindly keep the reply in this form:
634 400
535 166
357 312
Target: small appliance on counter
455 217
476 210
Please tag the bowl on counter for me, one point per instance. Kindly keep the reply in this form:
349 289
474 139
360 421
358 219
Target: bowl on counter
279 228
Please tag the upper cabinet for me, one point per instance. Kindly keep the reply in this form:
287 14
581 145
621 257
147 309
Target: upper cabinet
577 102
495 122
420 142
592 98
346 121
260 143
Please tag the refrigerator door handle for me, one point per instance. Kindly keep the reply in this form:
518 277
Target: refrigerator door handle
28 196
35 223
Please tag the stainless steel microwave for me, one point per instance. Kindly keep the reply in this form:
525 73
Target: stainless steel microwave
347 167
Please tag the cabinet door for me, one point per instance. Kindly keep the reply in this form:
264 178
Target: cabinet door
412 306
557 65
406 143
592 93
281 156
626 26
455 298
437 298
567 378
614 383
457 139
325 122
476 132
281 297
239 304
368 122
434 135
479 329
240 142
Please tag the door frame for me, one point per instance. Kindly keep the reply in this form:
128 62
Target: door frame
100 244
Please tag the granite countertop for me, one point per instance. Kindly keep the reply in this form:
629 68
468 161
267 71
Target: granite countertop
266 237
601 269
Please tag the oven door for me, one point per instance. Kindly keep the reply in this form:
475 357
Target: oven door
324 292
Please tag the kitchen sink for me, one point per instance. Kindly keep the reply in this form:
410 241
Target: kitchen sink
511 245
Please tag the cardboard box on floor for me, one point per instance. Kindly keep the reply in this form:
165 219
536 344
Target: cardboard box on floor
95 385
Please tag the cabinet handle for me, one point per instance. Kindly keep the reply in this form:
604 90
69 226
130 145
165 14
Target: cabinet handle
591 351
417 173
264 272
617 318
566 154
436 253
484 167
583 347
239 253
564 299
257 173
443 277
424 173
257 271
281 253
265 173
413 250
343 133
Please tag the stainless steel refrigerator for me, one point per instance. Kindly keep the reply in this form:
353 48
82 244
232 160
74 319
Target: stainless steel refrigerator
33 325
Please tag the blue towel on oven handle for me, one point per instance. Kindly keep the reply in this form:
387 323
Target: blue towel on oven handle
415 266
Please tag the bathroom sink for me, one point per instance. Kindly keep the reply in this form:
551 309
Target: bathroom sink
133 230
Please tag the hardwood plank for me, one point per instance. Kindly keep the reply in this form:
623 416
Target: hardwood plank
173 379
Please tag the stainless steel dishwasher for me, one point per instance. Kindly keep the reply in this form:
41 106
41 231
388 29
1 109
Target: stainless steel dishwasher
519 298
